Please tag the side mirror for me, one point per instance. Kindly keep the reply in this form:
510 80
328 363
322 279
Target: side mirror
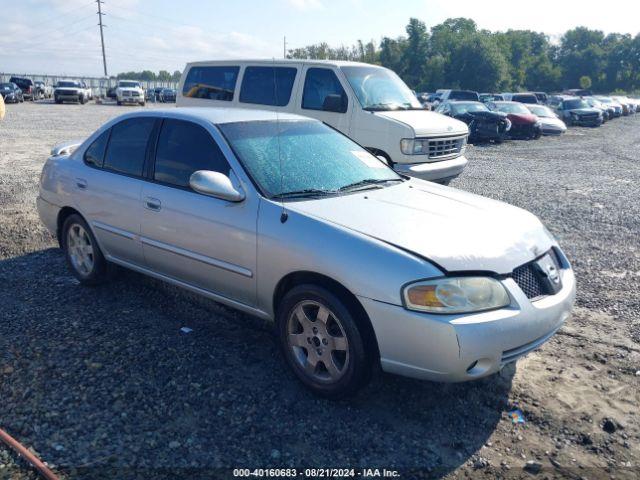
383 159
333 103
215 184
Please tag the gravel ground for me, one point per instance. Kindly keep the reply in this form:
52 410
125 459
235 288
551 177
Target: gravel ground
102 383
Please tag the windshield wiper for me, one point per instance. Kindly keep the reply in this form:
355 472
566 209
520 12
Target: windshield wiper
382 107
307 192
368 182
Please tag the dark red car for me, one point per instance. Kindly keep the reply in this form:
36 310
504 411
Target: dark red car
524 124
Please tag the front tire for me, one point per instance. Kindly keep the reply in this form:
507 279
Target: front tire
83 255
322 342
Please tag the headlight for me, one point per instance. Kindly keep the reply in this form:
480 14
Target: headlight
420 146
414 146
456 295
537 124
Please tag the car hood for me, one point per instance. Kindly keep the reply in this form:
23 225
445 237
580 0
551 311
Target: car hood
483 116
585 111
522 118
129 89
426 123
556 122
456 230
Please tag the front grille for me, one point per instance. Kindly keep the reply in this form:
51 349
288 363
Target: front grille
528 281
529 278
589 117
126 94
445 147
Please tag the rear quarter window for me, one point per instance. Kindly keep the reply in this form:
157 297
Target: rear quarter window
211 83
94 156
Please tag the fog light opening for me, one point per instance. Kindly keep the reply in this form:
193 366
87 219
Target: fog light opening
479 367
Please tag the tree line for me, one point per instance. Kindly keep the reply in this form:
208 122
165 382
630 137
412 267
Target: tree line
148 75
456 54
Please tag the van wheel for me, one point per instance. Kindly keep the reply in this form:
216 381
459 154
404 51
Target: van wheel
322 342
82 252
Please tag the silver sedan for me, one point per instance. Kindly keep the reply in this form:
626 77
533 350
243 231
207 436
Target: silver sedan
284 218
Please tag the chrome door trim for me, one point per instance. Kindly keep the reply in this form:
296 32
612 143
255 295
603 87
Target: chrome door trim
114 230
230 267
187 286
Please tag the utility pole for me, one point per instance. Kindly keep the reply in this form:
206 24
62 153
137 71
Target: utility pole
284 50
104 57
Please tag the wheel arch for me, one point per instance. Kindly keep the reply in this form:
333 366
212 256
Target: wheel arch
294 279
63 214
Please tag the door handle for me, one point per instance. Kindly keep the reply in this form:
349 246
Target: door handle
152 203
81 183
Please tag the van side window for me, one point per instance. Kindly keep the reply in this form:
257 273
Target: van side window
212 83
127 146
322 88
183 148
94 155
267 85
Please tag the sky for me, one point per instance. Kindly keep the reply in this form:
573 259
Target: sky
61 37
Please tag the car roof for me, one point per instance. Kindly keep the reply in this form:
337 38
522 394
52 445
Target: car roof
293 61
218 115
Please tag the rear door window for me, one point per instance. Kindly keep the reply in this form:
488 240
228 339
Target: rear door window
267 85
183 148
320 83
127 146
212 83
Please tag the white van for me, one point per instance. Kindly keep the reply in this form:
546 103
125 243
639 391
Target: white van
370 104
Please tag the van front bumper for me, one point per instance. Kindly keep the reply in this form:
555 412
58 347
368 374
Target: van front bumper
442 170
456 348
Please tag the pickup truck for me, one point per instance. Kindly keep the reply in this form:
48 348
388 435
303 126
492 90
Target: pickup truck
26 85
71 91
130 91
43 90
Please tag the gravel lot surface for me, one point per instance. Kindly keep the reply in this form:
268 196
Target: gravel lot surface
102 383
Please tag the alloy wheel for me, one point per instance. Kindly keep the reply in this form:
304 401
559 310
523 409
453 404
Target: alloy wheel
318 342
80 249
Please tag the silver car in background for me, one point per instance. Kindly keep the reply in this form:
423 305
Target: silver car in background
287 219
549 120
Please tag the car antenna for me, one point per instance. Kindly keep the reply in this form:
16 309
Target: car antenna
284 216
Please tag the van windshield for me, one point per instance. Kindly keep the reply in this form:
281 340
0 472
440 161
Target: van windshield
379 89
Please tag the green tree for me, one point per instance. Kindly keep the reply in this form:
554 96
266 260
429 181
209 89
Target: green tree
477 63
415 54
581 54
392 53
585 82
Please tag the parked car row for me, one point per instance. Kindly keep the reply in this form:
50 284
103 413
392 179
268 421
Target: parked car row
19 89
526 115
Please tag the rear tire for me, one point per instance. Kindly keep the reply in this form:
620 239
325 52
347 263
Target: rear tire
322 342
83 255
